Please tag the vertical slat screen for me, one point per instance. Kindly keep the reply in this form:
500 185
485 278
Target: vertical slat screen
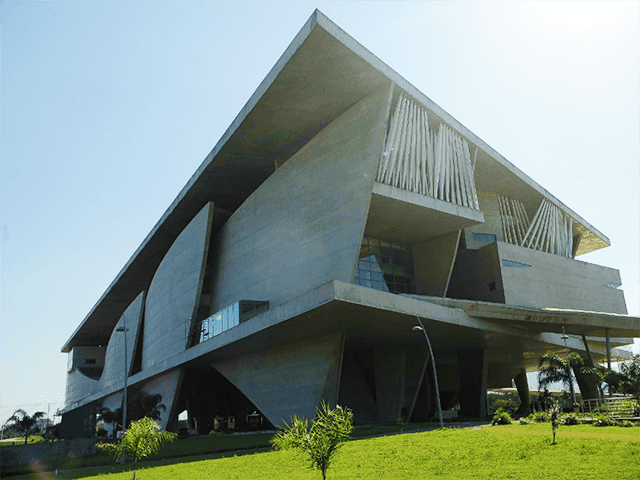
436 163
551 231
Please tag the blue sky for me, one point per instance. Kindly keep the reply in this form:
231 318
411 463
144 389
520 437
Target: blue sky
107 109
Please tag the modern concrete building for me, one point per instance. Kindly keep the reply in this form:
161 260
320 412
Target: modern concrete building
339 206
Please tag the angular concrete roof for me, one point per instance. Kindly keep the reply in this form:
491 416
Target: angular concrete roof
322 73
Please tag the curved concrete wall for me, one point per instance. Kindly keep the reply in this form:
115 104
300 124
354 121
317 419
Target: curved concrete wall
303 227
78 386
114 358
174 292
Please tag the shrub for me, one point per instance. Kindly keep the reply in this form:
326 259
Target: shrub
501 417
526 420
539 417
626 423
605 420
633 406
504 404
570 419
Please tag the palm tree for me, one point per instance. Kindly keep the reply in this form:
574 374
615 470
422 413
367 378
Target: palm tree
24 423
553 368
111 417
145 405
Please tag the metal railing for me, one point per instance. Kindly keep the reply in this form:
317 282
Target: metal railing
618 406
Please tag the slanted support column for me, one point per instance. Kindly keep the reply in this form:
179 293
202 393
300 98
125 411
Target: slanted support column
390 376
288 379
608 338
522 384
473 383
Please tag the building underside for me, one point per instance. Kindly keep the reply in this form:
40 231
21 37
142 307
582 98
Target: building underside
340 209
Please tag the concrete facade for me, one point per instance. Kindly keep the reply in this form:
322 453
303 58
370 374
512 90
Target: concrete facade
340 205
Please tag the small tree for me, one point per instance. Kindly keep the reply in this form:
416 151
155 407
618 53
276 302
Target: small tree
322 442
111 417
143 438
23 423
554 416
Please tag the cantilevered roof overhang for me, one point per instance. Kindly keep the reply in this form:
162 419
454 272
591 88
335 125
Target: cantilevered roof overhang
370 318
321 74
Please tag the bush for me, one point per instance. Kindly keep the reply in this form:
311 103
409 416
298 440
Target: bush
505 404
526 420
605 420
539 417
626 423
570 419
633 406
501 417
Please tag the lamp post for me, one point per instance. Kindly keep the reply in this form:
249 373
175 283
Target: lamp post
433 364
565 337
124 329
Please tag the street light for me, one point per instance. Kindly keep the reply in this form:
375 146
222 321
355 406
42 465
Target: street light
565 337
433 364
124 329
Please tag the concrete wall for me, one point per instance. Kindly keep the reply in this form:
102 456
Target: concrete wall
43 454
355 393
555 281
433 262
290 379
81 356
78 387
173 295
114 359
476 275
304 225
488 203
167 385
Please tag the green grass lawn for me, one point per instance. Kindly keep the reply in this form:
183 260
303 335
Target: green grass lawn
512 451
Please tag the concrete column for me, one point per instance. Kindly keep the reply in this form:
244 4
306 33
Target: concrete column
522 384
608 340
167 385
390 377
417 361
473 383
355 393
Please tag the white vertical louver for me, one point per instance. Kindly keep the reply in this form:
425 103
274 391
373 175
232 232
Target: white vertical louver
515 221
551 231
436 163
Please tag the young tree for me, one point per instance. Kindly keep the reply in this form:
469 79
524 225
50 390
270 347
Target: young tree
23 423
554 416
322 442
143 438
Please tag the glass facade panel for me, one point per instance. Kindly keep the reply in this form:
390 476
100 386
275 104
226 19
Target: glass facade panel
229 317
385 265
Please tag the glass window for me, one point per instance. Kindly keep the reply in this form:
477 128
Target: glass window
484 237
385 265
